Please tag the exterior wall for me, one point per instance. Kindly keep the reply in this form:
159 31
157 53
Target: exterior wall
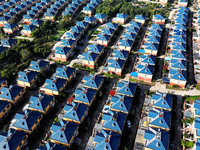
104 43
22 143
142 77
175 82
183 4
3 84
150 52
27 33
88 13
7 110
115 71
125 48
2 23
159 21
140 21
61 57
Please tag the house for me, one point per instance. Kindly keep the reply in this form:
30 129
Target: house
77 29
108 31
75 112
4 20
158 27
53 86
128 36
126 88
125 45
72 35
151 48
183 3
64 132
49 15
69 43
113 121
158 19
162 101
178 77
82 24
152 39
156 139
163 2
36 22
39 65
155 33
13 139
134 24
67 73
121 18
140 19
3 82
5 108
119 54
178 64
41 103
28 29
112 26
88 10
159 119
94 82
8 42
27 78
27 18
116 66
132 29
106 139
90 20
10 28
119 103
12 94
95 48
102 18
90 59
50 145
61 53
196 108
27 121
103 39
85 96
145 72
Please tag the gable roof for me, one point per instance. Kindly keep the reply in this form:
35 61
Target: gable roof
54 84
27 76
64 72
93 82
126 88
38 65
162 102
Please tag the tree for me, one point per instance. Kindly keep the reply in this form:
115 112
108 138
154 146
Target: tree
189 144
25 54
6 73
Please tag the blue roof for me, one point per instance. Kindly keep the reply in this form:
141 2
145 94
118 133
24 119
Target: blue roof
50 145
126 43
120 103
182 75
29 27
179 64
155 33
12 139
82 24
134 74
63 131
122 16
158 17
114 121
64 72
132 29
3 105
62 50
147 70
95 48
107 140
8 42
68 42
156 27
119 63
89 19
151 59
84 96
157 140
180 55
36 22
140 17
40 102
38 65
75 111
135 24
90 56
77 29
153 39
111 25
54 84
100 16
103 37
9 93
120 54
27 76
161 119
153 47
126 88
27 121
10 26
163 103
128 36
180 46
94 82
108 31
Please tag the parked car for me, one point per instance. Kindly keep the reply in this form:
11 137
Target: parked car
128 123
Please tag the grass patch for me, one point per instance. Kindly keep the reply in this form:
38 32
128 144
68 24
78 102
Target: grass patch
142 82
191 99
175 87
92 71
112 75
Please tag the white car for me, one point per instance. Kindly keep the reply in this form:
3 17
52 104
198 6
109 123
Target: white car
128 123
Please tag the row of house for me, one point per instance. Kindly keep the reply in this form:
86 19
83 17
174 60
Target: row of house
69 40
5 21
113 116
144 66
196 45
6 6
90 7
192 128
155 122
176 59
6 44
117 59
74 112
73 7
54 8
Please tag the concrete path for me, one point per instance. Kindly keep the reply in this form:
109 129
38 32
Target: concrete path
27 38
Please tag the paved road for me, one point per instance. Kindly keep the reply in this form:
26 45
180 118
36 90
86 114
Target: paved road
27 38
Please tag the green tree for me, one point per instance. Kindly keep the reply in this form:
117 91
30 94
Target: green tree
6 73
189 144
25 55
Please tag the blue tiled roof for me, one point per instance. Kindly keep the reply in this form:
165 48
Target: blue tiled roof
153 39
8 42
62 50
155 33
179 64
14 141
84 96
126 88
3 105
180 55
82 24
94 82
122 16
132 30
36 22
27 76
9 93
153 46
160 121
157 140
156 27
89 19
119 63
40 102
10 26
147 70
111 25
90 56
135 24
107 31
103 37
103 142
158 17
38 65
151 59
54 84
182 75
120 54
100 16
128 36
63 131
95 48
28 120
126 43
50 145
163 103
64 72
140 17
114 121
75 111
180 46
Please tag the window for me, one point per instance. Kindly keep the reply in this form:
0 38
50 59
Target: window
4 110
